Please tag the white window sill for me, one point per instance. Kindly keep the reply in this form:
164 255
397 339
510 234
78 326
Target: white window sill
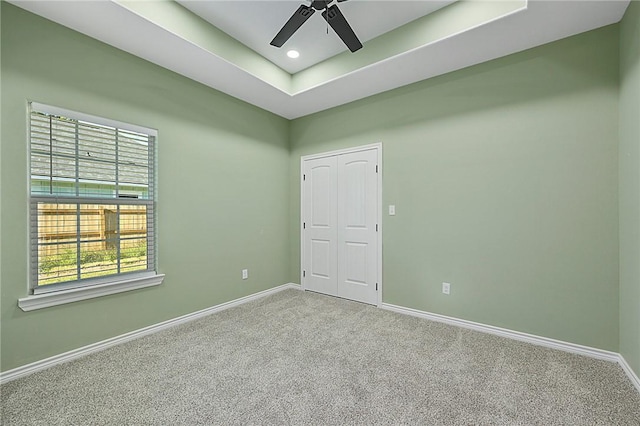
40 301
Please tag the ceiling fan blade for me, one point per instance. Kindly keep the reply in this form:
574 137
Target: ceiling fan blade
297 19
336 19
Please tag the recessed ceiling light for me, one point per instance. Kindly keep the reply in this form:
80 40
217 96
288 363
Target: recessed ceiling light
293 54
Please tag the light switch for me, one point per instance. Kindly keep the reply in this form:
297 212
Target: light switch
392 210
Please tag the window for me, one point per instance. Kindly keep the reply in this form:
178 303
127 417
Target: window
92 192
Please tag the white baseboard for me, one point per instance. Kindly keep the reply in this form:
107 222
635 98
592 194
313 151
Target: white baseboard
27 369
629 372
524 337
33 367
511 334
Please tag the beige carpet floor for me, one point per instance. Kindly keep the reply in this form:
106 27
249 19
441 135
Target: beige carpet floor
298 358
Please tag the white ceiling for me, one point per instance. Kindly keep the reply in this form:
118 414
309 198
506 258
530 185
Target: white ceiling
255 23
457 36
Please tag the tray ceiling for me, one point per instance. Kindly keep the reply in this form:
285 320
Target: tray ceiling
225 44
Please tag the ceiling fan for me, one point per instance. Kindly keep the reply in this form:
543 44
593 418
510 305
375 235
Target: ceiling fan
331 14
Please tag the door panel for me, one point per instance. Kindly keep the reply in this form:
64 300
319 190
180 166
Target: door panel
320 225
356 263
357 219
321 193
355 205
320 258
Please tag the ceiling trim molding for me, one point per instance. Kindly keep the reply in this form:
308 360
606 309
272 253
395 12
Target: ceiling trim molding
450 21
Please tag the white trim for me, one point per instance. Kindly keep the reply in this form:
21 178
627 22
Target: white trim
629 372
523 337
54 298
53 110
33 367
377 145
301 207
88 283
510 334
374 146
380 226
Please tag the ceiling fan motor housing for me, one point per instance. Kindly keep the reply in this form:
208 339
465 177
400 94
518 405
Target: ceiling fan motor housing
320 4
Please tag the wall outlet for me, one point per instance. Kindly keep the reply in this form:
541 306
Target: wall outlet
446 288
245 274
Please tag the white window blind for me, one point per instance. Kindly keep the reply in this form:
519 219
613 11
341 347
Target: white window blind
92 199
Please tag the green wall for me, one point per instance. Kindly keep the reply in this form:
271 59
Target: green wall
504 176
222 193
1 85
630 186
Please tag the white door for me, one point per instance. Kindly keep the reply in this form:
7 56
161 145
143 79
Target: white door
320 225
357 222
340 210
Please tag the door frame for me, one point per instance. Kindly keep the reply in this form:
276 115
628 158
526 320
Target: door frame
378 148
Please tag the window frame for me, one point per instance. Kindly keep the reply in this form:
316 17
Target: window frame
85 288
